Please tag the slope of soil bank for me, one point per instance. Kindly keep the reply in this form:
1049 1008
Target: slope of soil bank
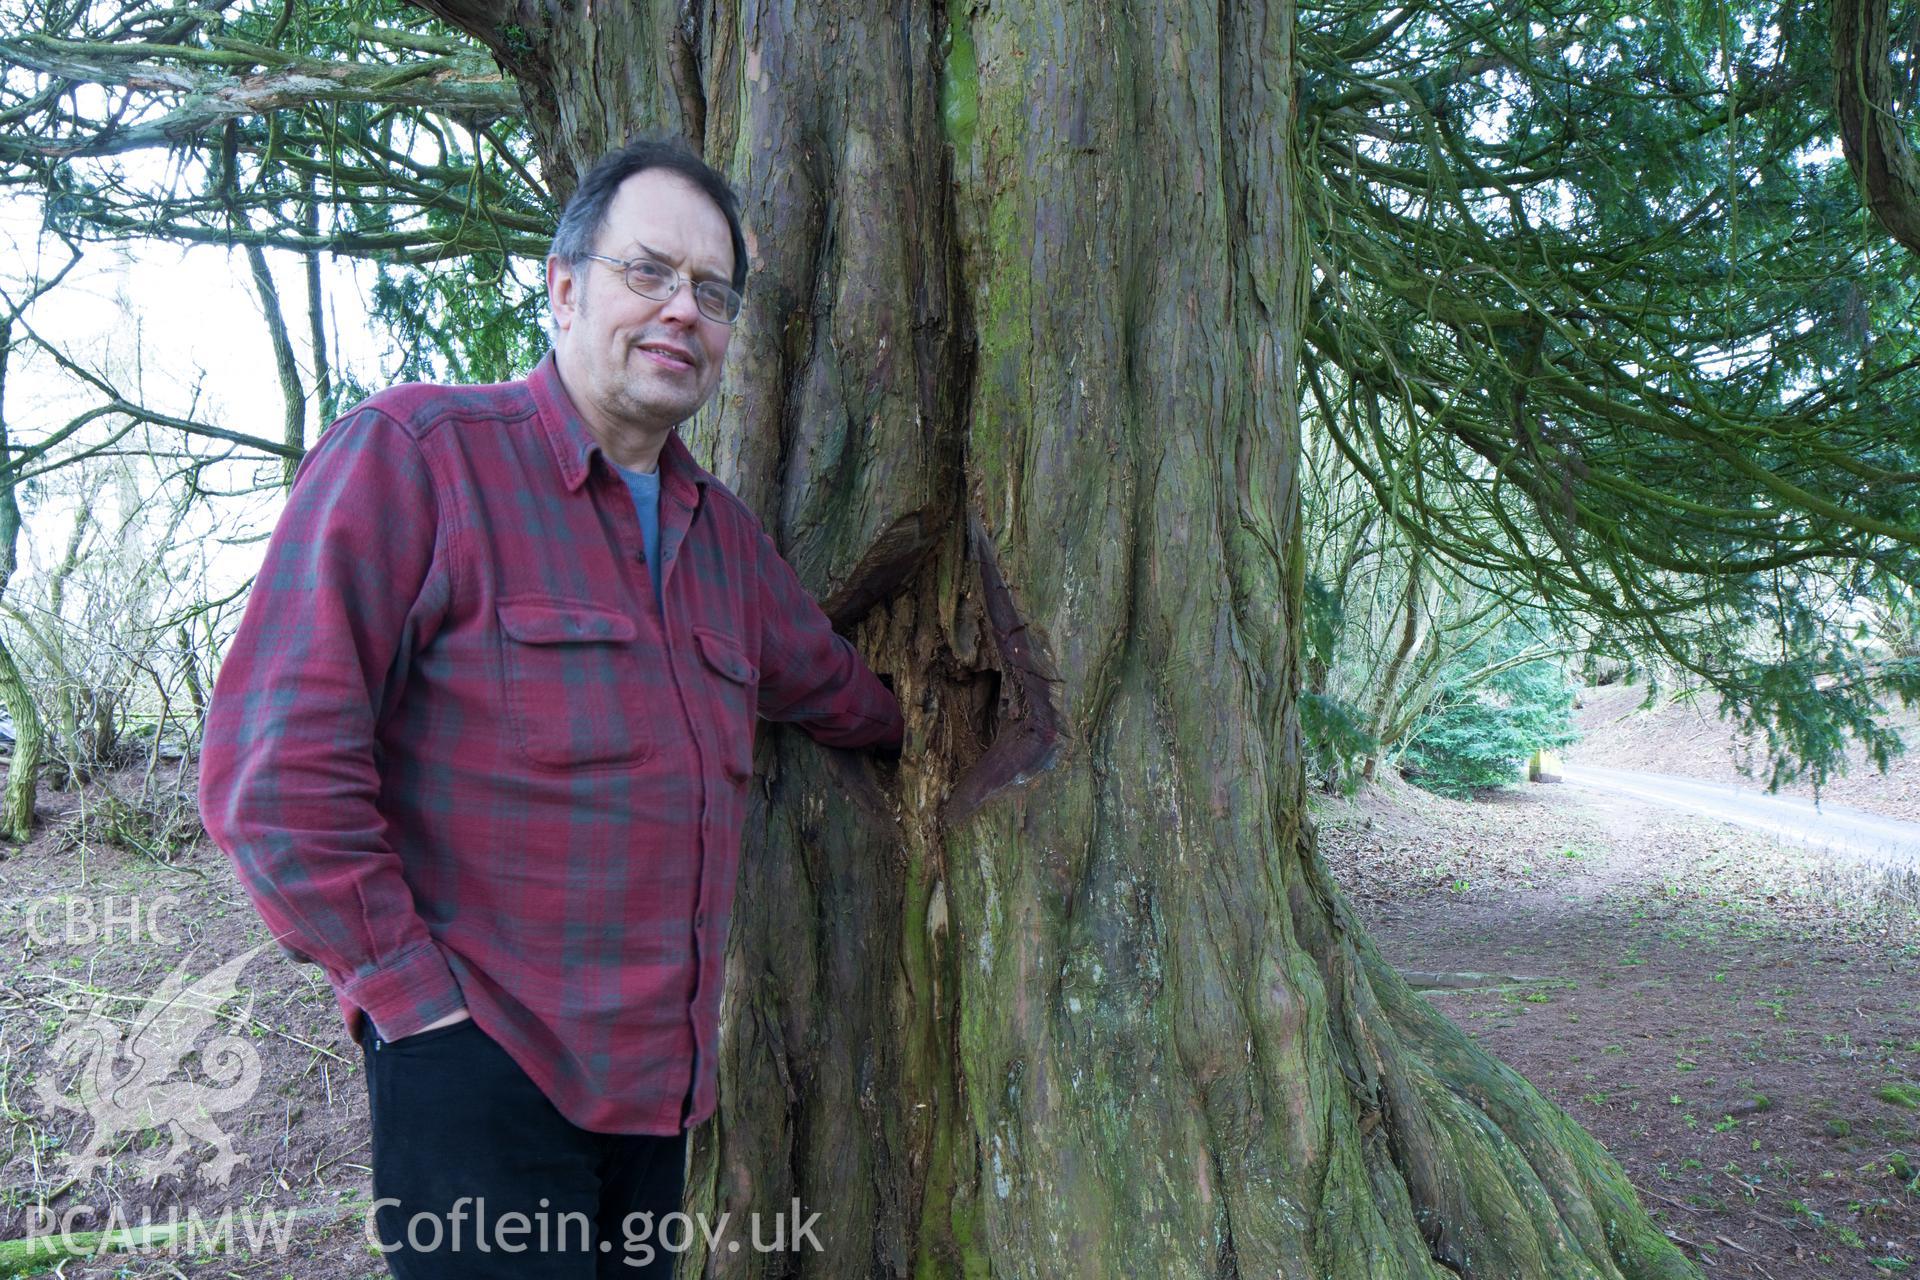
1738 1026
1689 739
86 925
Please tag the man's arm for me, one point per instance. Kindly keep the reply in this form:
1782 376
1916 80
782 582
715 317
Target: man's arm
810 675
354 579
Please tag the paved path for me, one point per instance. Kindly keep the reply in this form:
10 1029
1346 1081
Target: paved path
1852 833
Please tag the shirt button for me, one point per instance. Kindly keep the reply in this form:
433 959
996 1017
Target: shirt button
699 919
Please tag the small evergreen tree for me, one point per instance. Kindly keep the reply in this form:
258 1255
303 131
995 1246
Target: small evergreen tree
1489 716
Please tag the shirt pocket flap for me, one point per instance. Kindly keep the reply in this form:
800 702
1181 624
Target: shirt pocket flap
723 655
564 622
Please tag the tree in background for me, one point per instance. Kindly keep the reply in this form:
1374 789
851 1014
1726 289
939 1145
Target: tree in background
1040 294
1392 631
106 632
1630 357
126 149
1495 704
346 129
23 764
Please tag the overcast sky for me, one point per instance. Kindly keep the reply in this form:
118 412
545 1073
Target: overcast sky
180 329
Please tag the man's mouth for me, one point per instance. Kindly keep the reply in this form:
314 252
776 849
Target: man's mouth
667 356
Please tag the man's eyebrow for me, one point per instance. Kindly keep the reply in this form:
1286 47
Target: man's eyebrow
708 274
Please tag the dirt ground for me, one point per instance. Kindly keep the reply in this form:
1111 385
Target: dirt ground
1734 1029
1740 1030
303 1133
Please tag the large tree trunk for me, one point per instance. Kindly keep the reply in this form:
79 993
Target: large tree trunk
1072 994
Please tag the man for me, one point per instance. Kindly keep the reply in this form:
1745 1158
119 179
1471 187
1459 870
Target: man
482 744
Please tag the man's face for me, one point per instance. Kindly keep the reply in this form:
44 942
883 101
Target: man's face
629 361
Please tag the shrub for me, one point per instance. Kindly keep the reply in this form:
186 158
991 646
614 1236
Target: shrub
1479 729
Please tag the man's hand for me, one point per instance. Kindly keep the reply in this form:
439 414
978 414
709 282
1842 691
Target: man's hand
458 1015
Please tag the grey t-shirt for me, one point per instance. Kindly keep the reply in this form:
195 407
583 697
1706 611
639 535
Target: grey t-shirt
645 486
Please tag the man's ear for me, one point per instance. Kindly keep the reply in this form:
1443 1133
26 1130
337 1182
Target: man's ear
563 293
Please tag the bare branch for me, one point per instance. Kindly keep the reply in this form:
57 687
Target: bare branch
213 96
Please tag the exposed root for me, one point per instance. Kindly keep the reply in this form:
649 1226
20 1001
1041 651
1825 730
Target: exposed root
1501 1182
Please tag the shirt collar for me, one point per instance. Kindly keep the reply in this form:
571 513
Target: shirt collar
574 446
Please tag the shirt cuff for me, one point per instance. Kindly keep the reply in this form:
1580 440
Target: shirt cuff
409 991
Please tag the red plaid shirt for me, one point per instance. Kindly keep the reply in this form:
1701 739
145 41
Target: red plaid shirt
459 756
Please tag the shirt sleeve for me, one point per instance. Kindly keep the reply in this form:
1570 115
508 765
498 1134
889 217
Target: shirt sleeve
354 581
809 673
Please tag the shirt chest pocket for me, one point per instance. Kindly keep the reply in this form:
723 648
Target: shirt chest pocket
735 683
573 685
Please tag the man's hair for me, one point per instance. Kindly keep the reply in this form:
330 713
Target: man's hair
586 212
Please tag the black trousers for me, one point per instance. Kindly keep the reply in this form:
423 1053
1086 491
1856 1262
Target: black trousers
476 1175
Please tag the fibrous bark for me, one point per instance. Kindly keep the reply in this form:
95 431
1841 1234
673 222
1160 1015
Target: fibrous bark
1871 134
1070 993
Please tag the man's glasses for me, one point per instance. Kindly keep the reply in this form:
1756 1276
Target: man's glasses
659 282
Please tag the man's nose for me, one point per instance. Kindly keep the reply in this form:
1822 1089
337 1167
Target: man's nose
681 305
